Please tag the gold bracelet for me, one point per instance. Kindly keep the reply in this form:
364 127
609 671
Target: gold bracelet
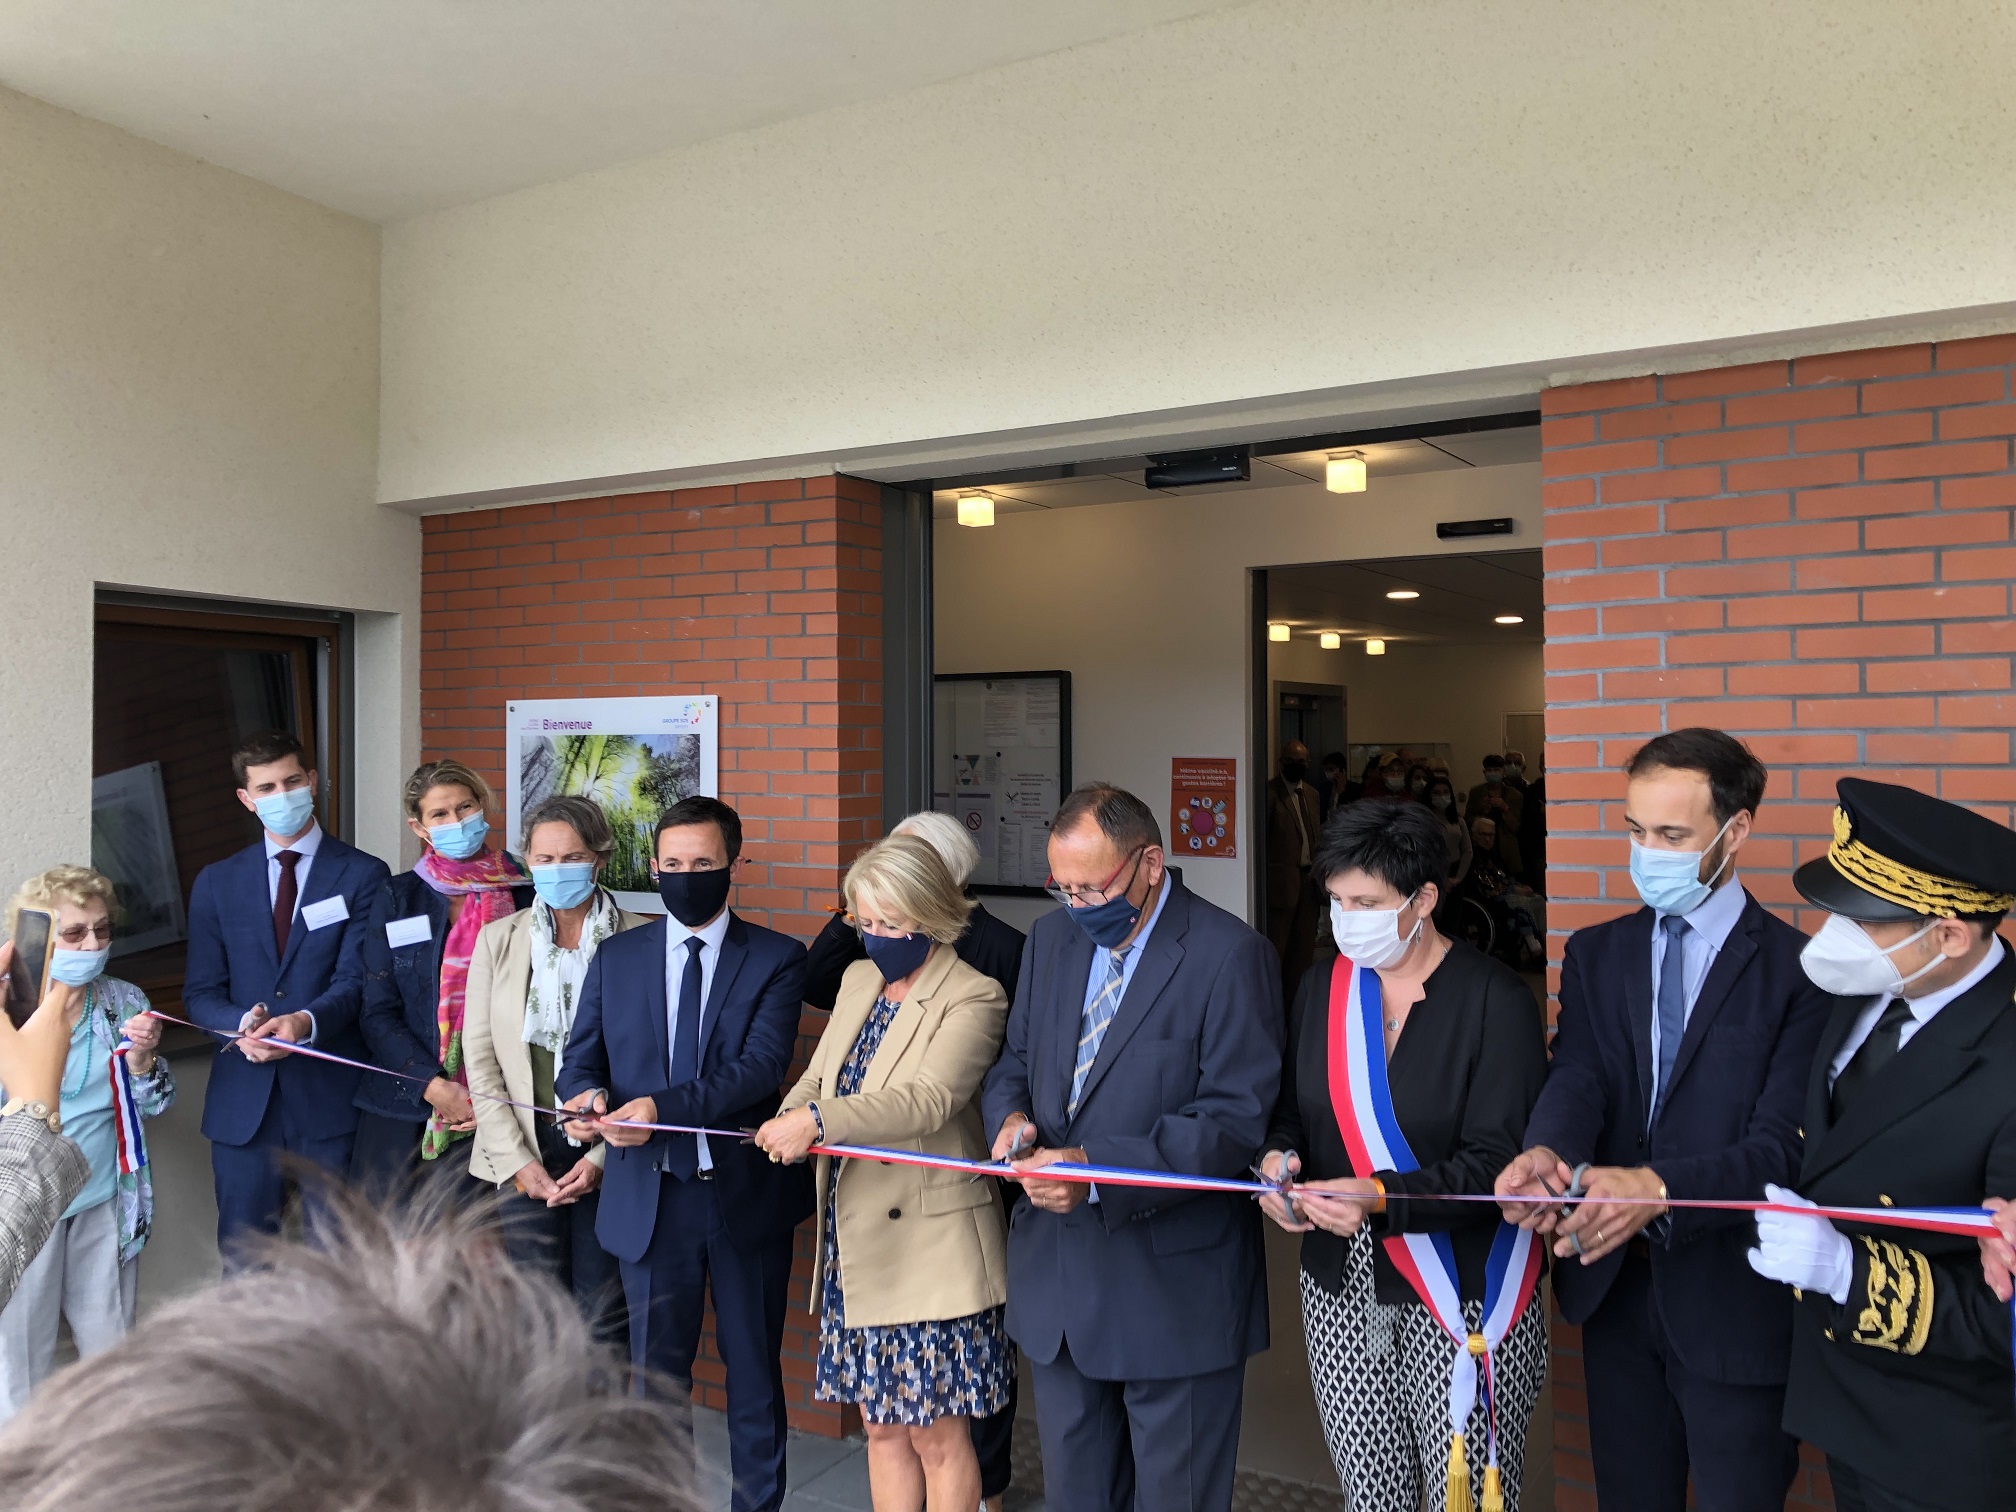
1380 1187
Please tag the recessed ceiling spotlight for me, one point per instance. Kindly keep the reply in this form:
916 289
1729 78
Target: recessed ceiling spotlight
976 509
1344 472
1277 632
1403 593
1510 619
1375 648
1330 640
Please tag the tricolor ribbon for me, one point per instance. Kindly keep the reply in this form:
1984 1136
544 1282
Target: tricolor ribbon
126 1113
1362 1099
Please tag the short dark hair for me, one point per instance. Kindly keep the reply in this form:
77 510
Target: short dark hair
1122 818
1736 778
1493 760
1333 759
263 749
699 810
1402 844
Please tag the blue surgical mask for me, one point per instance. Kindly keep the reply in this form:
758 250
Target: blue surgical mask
1107 924
896 956
77 968
460 840
566 885
285 813
1670 881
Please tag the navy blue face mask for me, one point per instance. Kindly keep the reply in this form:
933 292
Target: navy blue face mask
896 956
1107 924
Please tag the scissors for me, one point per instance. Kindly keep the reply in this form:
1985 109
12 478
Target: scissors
1280 1185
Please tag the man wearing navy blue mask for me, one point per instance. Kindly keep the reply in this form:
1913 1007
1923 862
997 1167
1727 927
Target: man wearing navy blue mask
1679 1071
692 1020
1146 1031
275 953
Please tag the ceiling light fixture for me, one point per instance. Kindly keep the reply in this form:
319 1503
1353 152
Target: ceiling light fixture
1403 593
1330 640
1344 472
1510 619
1375 648
1277 632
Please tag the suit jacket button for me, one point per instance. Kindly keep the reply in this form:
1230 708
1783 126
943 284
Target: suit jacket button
895 1212
1884 1198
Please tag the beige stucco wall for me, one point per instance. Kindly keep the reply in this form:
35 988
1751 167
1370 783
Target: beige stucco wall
188 404
1379 206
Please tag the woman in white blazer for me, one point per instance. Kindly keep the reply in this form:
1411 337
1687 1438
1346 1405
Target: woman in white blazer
524 982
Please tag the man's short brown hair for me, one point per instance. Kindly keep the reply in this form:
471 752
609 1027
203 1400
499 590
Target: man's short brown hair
263 749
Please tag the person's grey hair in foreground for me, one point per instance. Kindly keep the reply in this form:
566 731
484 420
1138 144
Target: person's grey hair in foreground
400 1365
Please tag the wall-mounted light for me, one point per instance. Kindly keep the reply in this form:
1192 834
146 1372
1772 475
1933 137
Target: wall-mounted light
1330 640
1344 472
1375 648
1403 593
1510 619
976 509
1277 632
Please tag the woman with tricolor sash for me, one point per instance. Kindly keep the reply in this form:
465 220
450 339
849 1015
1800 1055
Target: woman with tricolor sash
1412 1064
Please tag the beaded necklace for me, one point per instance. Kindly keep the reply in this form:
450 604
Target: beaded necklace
89 1018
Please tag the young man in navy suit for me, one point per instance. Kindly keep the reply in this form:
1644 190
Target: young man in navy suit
275 935
693 1020
1679 1071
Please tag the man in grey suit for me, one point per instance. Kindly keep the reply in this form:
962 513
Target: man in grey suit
1146 1031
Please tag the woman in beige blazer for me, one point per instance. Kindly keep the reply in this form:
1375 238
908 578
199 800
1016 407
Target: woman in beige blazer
524 981
912 1274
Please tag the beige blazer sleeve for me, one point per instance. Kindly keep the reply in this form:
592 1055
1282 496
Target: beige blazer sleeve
499 1129
938 1080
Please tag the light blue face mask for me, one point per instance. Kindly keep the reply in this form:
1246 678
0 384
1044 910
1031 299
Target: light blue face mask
77 968
566 885
1670 881
287 813
460 840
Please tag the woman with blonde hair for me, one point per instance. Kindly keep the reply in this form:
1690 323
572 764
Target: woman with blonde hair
416 971
85 1273
912 1276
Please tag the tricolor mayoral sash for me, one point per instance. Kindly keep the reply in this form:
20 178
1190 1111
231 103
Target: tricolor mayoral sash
1363 1101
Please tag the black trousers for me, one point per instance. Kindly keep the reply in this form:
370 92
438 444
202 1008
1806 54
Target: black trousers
994 1445
1855 1492
1651 1419
561 1241
385 1164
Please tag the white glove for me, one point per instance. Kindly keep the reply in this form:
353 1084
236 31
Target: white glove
1809 1253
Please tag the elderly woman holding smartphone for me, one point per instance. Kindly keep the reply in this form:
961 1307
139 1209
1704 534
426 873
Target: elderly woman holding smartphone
87 1270
912 1269
1412 1064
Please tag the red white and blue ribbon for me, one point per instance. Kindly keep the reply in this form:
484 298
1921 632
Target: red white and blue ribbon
1363 1101
126 1114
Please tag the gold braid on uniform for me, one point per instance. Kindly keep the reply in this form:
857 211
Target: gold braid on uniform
1896 1312
1906 886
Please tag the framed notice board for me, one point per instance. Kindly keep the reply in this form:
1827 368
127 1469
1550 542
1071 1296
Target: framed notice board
1000 765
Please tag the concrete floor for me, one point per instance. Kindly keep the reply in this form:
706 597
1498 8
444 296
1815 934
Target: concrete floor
1280 1436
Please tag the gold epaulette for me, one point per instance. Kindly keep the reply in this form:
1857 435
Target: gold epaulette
1896 1313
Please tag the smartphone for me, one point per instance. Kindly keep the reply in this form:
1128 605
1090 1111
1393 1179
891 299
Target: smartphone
34 940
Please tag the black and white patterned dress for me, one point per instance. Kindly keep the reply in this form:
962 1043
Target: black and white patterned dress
912 1373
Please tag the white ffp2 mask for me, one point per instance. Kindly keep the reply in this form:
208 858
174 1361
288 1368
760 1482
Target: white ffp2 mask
1843 960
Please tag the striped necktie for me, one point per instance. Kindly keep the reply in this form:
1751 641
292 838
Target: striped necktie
1093 1026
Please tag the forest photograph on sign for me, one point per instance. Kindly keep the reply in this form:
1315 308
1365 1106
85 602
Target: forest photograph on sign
635 757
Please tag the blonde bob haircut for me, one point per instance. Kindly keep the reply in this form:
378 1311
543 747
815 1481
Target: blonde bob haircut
907 878
949 838
447 772
78 886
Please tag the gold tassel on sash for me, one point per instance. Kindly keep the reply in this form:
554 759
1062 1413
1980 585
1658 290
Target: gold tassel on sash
1494 1491
1459 1476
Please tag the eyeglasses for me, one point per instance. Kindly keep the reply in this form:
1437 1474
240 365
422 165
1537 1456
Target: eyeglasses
1092 897
76 934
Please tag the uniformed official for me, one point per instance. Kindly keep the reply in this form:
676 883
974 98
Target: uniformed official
1901 1369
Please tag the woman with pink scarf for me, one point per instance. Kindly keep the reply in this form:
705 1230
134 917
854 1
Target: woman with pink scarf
417 947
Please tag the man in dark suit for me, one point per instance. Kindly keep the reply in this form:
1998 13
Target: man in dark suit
693 1021
1146 1031
1679 1070
1294 825
275 952
1901 1367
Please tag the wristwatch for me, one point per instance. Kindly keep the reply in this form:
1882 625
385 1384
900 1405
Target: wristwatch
37 1109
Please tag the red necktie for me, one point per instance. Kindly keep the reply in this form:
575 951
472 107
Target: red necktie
284 897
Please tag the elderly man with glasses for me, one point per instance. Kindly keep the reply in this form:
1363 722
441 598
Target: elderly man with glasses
1146 1031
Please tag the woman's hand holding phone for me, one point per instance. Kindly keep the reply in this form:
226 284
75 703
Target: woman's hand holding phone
32 1056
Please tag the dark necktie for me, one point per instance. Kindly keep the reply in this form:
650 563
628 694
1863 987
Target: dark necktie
284 898
1672 1005
1875 1053
682 1153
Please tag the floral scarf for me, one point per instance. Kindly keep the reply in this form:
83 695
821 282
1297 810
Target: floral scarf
557 974
486 880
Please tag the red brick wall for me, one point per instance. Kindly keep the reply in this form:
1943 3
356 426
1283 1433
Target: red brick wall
767 594
1814 554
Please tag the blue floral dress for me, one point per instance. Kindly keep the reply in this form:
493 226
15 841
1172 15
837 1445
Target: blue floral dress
910 1373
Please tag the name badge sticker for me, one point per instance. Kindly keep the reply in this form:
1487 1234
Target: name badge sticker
414 931
329 911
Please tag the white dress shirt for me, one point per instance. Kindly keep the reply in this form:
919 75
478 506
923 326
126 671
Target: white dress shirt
1922 1010
305 847
1708 930
710 936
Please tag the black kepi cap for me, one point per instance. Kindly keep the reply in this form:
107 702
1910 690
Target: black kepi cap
1902 854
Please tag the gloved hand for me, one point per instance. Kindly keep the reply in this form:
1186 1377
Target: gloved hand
1809 1253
